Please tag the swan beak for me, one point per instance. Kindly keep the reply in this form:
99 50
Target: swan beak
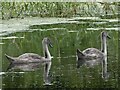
49 43
108 37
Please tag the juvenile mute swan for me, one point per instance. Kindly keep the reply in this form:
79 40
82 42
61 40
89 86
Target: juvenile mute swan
93 56
28 58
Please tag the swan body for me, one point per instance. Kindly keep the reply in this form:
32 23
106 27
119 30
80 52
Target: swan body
32 57
92 56
26 58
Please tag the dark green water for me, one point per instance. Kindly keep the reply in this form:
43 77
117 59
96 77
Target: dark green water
66 38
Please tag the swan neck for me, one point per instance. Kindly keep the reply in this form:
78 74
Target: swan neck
103 45
46 51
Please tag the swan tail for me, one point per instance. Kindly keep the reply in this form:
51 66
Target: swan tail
11 59
80 58
79 54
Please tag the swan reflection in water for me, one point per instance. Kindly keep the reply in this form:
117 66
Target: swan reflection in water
33 67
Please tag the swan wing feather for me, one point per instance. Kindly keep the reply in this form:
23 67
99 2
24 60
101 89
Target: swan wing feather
93 54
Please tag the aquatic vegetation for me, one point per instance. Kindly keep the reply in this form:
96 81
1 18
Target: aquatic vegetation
58 9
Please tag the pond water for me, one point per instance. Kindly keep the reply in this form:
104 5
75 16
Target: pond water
66 38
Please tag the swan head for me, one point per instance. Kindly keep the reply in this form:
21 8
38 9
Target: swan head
105 34
47 41
80 58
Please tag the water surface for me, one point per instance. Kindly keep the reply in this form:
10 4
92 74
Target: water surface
66 38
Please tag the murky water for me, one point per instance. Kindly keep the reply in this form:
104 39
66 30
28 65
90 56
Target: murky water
66 38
